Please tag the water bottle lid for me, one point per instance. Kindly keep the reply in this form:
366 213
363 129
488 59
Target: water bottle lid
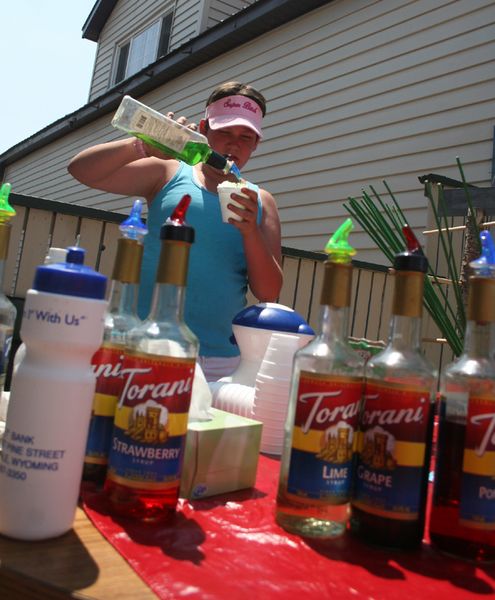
276 317
71 278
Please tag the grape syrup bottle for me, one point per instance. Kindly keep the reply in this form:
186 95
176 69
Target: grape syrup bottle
391 476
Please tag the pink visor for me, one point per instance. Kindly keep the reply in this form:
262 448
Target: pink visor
234 110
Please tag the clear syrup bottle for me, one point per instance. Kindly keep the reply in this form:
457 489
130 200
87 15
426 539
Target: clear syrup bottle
120 318
150 427
392 462
172 138
462 519
7 309
326 389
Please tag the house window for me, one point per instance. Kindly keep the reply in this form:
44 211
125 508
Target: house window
143 49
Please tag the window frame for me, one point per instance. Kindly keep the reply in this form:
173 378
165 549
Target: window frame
124 50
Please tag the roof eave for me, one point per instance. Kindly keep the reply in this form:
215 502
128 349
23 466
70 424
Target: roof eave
250 23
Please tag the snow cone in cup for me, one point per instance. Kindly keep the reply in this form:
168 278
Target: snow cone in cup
225 189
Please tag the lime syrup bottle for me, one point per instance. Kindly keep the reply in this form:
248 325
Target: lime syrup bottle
326 390
172 138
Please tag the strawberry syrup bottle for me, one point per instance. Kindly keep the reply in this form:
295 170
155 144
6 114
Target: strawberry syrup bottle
120 318
150 427
462 519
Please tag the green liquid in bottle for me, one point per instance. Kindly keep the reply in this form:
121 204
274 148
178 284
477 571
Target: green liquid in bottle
192 154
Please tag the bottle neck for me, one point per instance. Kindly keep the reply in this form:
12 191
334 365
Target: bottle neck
479 340
405 333
334 323
218 161
5 230
335 300
407 307
123 298
168 303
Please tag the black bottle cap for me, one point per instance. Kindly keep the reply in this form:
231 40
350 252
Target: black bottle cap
413 258
175 227
216 160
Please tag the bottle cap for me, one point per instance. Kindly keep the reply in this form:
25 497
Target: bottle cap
217 161
276 317
484 266
55 255
133 228
175 227
6 211
338 246
413 258
71 278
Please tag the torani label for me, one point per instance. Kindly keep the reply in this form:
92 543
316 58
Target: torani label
322 441
151 421
394 426
107 367
477 505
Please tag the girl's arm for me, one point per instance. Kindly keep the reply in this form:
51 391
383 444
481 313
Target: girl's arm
261 244
122 167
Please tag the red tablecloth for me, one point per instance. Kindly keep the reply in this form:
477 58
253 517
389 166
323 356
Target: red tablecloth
230 547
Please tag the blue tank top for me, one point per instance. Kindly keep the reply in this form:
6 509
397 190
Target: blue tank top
217 276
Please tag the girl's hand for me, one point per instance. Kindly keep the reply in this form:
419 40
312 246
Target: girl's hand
248 213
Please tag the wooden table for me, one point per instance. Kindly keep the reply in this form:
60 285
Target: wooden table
79 564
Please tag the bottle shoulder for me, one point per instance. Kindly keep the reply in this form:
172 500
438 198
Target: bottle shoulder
163 338
469 377
8 311
335 356
401 359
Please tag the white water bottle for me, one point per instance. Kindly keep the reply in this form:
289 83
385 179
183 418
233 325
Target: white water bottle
50 400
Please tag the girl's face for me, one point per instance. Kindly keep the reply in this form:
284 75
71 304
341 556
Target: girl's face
237 143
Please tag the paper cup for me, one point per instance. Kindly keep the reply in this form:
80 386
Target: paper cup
224 192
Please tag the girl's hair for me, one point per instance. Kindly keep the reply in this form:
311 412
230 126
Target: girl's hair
235 88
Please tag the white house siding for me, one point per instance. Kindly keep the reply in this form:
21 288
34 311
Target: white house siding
187 22
358 91
219 10
127 18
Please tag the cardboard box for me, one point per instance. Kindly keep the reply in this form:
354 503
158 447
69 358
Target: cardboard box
221 455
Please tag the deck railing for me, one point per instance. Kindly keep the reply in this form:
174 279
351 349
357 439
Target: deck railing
41 223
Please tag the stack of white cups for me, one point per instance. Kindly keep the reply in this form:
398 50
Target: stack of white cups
272 389
233 397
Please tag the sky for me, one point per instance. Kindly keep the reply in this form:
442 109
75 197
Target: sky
45 65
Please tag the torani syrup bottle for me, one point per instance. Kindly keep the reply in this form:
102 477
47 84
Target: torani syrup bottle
150 427
391 476
463 509
7 309
120 318
172 138
326 389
